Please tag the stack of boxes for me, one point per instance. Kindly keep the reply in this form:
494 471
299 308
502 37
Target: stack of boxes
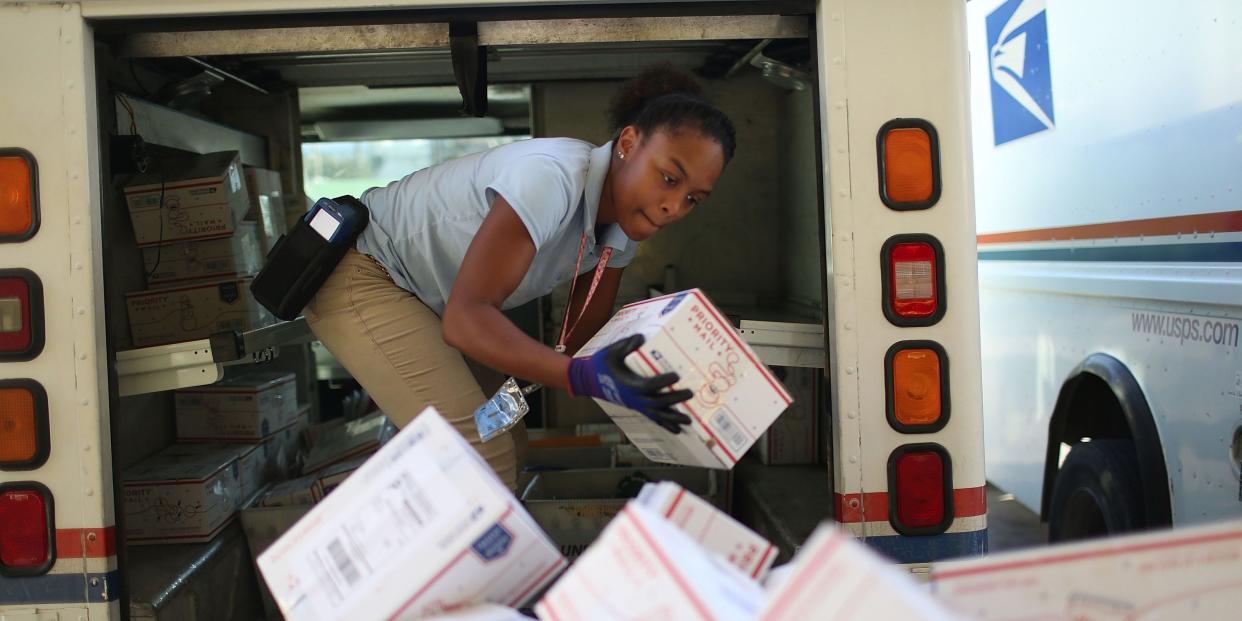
337 449
233 437
200 247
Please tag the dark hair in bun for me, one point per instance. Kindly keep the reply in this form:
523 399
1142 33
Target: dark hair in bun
664 97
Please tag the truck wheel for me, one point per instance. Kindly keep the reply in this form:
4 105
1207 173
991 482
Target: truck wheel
1097 492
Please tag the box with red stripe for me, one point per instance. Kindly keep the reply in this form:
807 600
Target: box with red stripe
204 196
736 397
1184 573
644 567
833 576
185 493
714 529
422 527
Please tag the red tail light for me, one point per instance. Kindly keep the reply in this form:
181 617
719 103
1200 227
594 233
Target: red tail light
26 526
21 315
920 489
913 268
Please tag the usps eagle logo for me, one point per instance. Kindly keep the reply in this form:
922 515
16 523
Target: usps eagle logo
1018 64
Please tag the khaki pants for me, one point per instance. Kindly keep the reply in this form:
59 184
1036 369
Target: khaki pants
391 343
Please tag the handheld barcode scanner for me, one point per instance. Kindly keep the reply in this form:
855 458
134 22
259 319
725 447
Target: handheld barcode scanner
303 258
331 221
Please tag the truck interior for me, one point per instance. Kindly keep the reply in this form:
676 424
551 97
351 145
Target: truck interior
339 102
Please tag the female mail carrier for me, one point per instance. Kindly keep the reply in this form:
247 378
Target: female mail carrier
451 246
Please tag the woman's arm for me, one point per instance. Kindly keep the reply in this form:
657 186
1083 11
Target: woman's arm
495 264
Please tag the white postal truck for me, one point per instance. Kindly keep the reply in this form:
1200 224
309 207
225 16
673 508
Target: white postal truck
849 206
1107 144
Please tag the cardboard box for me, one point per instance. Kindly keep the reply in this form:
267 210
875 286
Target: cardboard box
252 470
296 207
262 526
628 456
236 256
262 182
183 494
423 527
339 441
643 567
712 528
1185 573
794 438
735 399
193 311
267 205
283 449
333 476
834 576
204 197
299 492
241 408
574 506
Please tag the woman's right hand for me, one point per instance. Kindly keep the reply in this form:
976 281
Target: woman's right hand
604 375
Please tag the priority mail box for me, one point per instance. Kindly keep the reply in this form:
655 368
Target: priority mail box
283 448
735 398
422 528
252 470
193 311
182 494
339 441
333 476
204 197
264 461
302 491
235 256
834 576
267 205
241 408
712 528
643 567
1184 573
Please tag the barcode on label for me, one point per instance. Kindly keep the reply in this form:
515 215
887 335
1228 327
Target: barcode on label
732 435
344 564
338 570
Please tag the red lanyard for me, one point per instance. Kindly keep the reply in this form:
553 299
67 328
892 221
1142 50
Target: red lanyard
567 329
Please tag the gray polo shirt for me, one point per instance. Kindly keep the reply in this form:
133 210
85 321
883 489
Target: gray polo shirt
422 224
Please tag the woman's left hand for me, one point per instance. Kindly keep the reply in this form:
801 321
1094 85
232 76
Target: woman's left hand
604 375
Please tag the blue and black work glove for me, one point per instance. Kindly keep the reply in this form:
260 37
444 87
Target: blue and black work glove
604 375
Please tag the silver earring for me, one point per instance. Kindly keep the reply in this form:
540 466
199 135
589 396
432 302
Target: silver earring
620 155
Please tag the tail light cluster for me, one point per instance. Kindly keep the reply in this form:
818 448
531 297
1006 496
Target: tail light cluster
27 516
916 371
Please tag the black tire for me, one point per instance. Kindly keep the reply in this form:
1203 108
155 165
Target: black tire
1097 492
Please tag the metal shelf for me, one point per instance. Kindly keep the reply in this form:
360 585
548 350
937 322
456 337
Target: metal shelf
201 362
196 363
786 344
